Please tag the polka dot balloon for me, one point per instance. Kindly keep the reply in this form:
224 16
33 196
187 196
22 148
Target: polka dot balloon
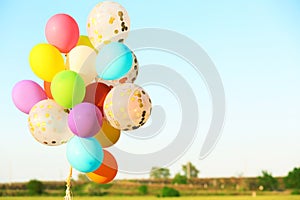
127 107
107 22
130 77
47 123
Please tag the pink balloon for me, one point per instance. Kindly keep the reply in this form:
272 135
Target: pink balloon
26 94
85 120
62 31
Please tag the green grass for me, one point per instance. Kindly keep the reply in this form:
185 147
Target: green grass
155 198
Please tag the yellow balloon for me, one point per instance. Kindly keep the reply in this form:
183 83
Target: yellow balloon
46 61
84 40
108 135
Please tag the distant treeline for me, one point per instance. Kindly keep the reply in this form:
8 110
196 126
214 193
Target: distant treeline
193 186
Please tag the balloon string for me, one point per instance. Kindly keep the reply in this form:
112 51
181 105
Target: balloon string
68 185
67 64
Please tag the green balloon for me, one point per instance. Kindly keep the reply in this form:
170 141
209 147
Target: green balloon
68 88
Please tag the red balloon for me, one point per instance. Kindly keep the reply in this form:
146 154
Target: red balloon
96 93
62 31
47 86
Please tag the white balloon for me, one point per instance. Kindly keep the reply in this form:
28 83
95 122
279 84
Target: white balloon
130 77
82 59
48 124
127 107
107 22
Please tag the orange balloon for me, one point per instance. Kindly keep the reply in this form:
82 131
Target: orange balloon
107 170
108 135
47 86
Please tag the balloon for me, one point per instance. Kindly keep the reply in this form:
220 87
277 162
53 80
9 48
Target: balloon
26 94
107 170
107 22
46 61
85 40
108 135
47 86
96 93
84 154
85 120
48 123
114 61
130 77
68 89
127 107
82 59
62 31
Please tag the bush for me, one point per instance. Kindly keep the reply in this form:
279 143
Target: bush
143 189
169 192
35 187
295 192
179 179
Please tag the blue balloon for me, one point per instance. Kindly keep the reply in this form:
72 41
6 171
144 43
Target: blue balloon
84 154
114 61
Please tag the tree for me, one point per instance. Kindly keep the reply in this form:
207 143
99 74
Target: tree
179 179
35 187
268 181
95 189
292 180
190 171
83 178
157 173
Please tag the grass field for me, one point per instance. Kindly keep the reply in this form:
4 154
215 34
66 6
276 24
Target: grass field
155 198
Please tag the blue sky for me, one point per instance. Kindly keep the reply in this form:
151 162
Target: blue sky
255 46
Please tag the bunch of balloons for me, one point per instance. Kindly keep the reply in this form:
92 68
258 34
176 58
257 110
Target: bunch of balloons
88 96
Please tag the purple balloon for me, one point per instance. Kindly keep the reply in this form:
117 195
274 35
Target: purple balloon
26 94
85 120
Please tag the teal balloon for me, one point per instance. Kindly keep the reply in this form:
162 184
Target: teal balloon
114 61
84 154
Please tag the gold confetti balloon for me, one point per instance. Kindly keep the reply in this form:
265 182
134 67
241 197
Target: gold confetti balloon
107 22
48 124
130 77
127 107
